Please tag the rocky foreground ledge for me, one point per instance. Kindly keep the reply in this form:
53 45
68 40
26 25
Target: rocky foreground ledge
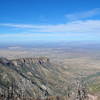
31 77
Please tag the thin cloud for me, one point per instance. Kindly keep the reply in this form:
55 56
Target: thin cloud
20 25
81 30
82 27
83 15
76 25
89 26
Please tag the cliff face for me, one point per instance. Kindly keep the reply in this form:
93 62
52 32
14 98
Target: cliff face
31 76
40 60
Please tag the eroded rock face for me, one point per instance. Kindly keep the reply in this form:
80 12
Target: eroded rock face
39 60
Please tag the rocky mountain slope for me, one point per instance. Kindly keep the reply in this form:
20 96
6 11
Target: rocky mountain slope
39 77
36 77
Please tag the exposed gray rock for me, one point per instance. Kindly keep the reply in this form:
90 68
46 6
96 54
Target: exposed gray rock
30 76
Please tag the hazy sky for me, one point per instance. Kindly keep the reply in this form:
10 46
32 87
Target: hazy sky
49 20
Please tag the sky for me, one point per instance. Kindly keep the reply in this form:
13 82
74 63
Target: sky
26 21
